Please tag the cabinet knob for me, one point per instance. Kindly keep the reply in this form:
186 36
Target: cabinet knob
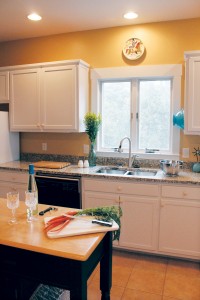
184 194
119 188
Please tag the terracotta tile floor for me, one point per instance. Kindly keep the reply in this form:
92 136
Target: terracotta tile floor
145 277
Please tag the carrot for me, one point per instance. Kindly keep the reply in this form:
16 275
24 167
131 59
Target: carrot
60 221
61 227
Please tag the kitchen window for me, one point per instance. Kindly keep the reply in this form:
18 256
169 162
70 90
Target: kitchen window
138 102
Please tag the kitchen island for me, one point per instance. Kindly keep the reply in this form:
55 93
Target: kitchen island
26 253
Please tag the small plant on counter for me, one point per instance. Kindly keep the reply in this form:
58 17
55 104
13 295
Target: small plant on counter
92 123
196 166
197 153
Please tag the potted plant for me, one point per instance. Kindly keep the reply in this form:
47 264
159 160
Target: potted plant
196 166
92 123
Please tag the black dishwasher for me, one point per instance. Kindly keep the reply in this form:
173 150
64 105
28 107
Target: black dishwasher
58 189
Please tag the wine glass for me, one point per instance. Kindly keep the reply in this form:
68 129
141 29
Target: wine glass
13 203
30 201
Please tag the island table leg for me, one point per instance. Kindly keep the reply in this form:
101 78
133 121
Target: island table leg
106 268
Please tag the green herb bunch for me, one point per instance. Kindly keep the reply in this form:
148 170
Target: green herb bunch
105 213
92 123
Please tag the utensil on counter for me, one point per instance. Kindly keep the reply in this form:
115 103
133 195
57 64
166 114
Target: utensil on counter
171 167
94 221
41 213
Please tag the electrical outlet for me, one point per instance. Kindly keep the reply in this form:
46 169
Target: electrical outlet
85 149
44 146
185 152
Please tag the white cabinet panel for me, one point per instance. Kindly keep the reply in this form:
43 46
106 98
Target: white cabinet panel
121 187
25 100
4 87
6 187
59 98
192 92
13 181
180 227
139 223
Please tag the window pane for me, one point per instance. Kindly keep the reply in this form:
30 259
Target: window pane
115 113
154 114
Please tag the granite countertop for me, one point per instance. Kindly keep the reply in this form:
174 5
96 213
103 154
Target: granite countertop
185 176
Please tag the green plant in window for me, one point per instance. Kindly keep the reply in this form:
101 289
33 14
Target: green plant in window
92 123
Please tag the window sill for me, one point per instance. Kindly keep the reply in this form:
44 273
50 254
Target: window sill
140 155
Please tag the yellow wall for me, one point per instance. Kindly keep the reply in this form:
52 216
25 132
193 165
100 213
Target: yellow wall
165 43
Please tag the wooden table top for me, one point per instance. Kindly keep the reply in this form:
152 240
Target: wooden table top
31 236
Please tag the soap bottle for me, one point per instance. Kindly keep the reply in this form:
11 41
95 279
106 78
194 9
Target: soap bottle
32 186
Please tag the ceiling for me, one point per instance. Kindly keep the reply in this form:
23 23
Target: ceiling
62 16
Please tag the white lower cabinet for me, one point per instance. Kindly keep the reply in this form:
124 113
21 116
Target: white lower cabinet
139 223
13 181
180 221
157 218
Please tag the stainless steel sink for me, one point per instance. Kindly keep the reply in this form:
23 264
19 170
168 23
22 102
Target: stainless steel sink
141 173
107 170
127 172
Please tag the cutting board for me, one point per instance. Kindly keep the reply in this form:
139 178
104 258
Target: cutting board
79 227
51 164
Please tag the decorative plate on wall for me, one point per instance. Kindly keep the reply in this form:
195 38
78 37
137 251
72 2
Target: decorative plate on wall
133 49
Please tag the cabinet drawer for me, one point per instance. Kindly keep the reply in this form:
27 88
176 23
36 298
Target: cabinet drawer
182 191
120 187
13 176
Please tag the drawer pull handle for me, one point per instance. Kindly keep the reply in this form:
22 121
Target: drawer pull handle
184 194
120 200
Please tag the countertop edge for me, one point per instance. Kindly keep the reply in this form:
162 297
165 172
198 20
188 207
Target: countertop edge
184 177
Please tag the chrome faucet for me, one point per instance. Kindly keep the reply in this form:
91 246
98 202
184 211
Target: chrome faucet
120 150
131 160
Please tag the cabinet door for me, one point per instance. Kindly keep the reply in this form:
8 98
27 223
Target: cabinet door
139 222
180 227
92 199
6 187
4 87
58 93
25 100
192 95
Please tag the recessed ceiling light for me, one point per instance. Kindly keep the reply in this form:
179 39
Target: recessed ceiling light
130 15
34 17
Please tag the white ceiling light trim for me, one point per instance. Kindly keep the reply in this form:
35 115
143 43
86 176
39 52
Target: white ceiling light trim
130 15
34 17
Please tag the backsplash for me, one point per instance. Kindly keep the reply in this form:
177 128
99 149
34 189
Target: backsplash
104 161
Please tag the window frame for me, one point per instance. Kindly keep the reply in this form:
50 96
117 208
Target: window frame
136 73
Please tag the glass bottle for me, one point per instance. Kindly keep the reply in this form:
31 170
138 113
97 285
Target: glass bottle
32 186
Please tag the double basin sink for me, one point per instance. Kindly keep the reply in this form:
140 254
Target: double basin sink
126 172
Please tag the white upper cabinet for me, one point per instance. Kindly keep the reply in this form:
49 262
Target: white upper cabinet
4 87
25 100
50 97
192 92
